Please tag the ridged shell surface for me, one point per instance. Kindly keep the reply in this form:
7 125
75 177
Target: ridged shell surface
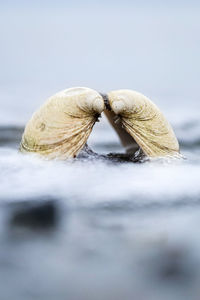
143 120
61 127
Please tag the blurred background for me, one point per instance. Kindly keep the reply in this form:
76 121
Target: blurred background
93 229
48 46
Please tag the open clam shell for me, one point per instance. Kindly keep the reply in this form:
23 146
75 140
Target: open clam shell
61 127
143 121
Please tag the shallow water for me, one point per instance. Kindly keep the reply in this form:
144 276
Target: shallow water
94 228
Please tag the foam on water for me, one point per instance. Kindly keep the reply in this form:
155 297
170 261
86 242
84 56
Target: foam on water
89 182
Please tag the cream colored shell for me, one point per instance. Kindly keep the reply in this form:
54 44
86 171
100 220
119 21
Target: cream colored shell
142 119
61 127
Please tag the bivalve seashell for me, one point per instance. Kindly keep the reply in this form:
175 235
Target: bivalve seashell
61 127
143 121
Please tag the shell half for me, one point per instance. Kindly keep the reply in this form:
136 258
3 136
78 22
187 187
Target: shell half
144 122
61 127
